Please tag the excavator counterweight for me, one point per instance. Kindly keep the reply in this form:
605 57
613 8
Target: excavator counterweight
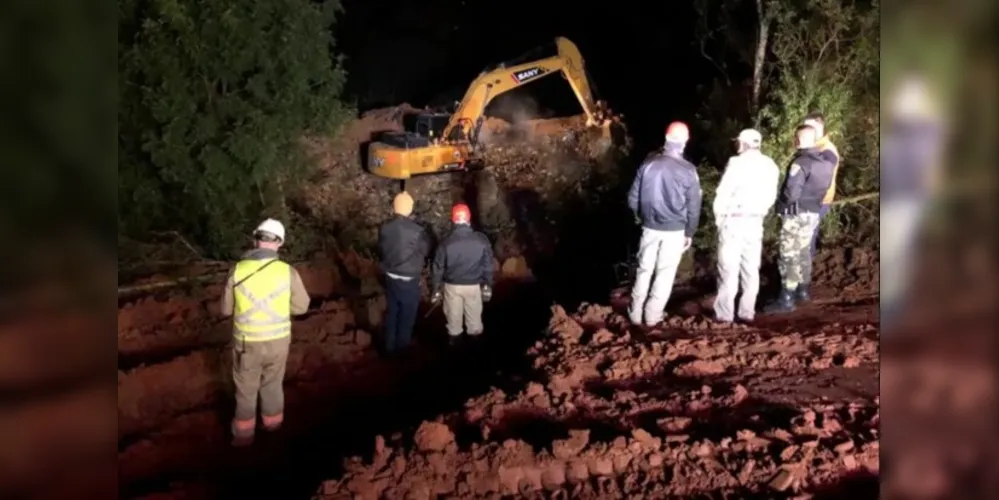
443 143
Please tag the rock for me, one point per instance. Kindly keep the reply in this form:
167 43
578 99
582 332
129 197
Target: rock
603 336
534 389
739 394
809 417
577 472
674 424
568 448
510 478
844 446
646 439
433 436
601 466
782 480
362 338
554 476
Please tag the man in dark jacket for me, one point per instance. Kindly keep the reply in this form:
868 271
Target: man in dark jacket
462 276
829 151
800 202
666 199
403 247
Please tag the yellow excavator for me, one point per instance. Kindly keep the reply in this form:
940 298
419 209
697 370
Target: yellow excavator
444 142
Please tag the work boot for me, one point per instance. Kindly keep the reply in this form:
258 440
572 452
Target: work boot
454 340
783 304
801 294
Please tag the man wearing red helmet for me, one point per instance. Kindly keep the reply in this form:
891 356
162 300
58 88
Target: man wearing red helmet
666 199
462 275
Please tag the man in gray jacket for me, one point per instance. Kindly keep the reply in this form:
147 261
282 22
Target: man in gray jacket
666 198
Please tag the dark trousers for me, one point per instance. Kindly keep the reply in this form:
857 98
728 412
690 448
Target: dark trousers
815 237
403 303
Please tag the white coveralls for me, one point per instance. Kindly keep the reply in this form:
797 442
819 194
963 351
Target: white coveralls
747 191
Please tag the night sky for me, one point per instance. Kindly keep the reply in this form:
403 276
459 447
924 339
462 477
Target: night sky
642 56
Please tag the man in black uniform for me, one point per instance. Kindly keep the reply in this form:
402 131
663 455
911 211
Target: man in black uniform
462 276
403 247
807 182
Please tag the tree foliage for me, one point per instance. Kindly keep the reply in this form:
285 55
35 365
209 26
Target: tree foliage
214 97
821 55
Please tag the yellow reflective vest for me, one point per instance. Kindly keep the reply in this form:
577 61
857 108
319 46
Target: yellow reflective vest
825 144
262 301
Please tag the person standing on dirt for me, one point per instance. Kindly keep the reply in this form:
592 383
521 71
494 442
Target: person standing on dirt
746 193
462 276
261 294
828 150
666 200
800 201
915 139
403 247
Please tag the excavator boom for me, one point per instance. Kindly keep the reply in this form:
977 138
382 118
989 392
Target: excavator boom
400 156
490 84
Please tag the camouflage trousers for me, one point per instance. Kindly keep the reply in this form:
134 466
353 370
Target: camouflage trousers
796 248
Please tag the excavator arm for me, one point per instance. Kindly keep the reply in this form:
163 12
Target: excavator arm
467 119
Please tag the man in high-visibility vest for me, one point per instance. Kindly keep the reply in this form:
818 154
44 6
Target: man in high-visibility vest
261 294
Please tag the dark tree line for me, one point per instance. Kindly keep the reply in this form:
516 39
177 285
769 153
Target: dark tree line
214 97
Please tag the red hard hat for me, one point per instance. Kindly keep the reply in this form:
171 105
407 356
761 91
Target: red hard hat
677 132
460 214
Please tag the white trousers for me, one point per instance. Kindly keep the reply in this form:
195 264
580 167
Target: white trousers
900 223
659 255
740 249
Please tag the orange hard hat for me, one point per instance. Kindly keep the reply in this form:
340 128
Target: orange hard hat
677 132
461 214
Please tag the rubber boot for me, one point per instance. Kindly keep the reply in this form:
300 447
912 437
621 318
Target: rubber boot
783 304
801 294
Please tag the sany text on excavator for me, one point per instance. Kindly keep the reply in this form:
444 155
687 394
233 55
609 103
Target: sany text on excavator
445 142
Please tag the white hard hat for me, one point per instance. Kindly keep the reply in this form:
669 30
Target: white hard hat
271 226
750 137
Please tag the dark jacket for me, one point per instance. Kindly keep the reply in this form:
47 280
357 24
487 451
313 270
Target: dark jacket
910 150
807 182
666 194
403 246
465 257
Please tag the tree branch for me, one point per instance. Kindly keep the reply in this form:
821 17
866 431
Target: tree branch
856 199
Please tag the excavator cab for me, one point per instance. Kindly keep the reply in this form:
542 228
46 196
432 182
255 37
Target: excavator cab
430 125
419 148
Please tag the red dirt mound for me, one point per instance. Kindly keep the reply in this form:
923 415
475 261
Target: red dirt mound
694 409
